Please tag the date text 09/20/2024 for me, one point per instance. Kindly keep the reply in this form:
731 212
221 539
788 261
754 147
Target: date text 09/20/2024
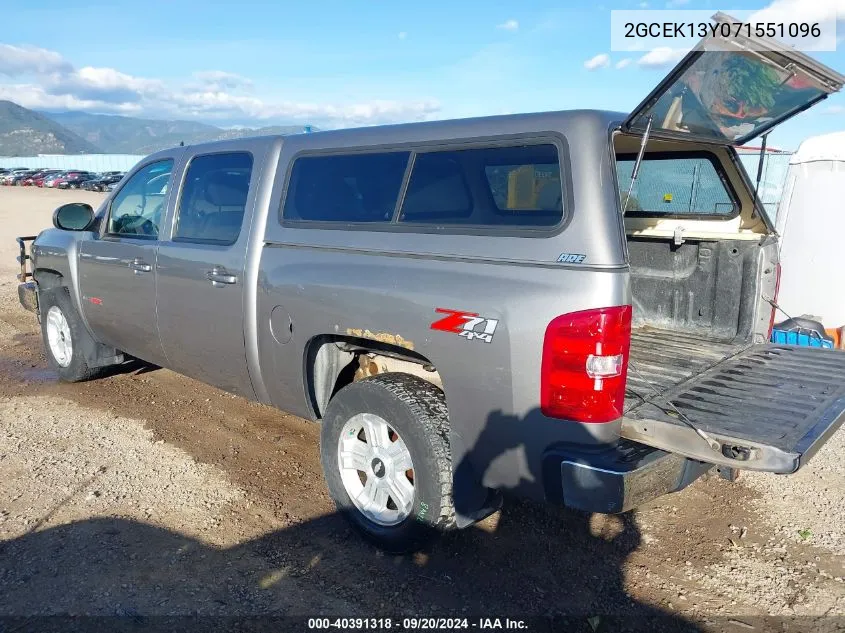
416 624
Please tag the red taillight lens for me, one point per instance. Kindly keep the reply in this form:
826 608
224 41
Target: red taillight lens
774 300
585 365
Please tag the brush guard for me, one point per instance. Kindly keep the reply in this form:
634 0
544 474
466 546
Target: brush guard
27 287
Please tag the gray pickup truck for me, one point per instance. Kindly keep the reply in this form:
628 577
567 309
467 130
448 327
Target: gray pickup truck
571 306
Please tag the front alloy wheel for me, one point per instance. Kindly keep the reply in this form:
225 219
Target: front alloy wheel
59 336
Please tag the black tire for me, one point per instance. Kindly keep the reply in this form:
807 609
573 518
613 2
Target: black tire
416 411
77 369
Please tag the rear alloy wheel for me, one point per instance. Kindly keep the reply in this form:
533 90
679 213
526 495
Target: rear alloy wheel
376 469
385 454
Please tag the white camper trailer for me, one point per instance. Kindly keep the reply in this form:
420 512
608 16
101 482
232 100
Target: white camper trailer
809 220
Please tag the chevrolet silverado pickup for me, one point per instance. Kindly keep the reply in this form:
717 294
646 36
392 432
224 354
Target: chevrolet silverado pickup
570 306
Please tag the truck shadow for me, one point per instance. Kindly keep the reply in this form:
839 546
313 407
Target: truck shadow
529 560
118 567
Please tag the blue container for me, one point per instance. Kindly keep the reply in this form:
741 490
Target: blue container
803 332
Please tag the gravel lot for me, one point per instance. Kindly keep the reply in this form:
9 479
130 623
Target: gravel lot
149 493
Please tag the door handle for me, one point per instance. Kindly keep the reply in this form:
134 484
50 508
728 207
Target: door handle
218 276
139 266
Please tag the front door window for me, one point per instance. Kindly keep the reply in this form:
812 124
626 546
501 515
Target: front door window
138 208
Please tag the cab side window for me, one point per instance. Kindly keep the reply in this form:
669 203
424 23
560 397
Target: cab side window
138 208
213 199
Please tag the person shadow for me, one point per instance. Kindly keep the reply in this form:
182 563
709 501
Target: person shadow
552 568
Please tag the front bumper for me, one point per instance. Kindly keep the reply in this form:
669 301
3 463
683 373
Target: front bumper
28 295
618 478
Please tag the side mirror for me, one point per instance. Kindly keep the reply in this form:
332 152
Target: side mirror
75 216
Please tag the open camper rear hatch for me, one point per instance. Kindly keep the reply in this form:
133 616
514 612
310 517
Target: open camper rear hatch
731 90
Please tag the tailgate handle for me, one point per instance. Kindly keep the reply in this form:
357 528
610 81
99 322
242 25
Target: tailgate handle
219 276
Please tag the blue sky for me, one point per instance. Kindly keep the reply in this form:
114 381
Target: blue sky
334 63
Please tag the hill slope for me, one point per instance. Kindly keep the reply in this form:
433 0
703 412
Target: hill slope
24 132
128 135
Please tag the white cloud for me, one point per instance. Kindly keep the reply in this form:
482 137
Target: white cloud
508 25
35 97
643 5
834 109
602 60
208 95
674 4
102 84
221 80
661 57
623 63
25 60
402 35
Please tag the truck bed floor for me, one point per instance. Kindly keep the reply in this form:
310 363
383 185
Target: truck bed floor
661 359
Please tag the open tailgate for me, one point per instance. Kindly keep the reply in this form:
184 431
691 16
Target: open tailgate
768 408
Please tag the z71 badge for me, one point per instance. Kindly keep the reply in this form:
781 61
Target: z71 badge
466 324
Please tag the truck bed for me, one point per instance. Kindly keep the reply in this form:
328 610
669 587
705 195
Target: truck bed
661 359
758 407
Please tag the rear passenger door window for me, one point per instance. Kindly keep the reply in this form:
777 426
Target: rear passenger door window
213 200
346 188
487 187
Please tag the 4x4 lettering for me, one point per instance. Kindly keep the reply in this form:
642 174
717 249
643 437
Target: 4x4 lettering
485 335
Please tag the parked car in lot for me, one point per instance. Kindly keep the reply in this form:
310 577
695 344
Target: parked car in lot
72 180
57 180
28 180
102 182
38 176
16 178
51 180
468 306
39 179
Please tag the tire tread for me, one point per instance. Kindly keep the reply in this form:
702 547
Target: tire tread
428 404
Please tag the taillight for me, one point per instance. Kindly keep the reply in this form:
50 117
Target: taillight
585 365
774 300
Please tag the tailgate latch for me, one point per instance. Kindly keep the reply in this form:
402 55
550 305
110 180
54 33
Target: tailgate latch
739 453
679 236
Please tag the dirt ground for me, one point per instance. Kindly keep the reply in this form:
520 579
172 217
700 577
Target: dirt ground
146 493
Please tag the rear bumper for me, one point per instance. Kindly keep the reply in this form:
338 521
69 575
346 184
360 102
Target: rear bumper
28 295
616 479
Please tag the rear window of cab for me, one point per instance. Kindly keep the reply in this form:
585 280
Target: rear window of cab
676 185
515 186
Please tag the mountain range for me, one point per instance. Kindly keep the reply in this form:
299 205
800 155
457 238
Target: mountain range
25 132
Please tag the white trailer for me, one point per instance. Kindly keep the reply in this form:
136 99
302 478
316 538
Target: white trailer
809 220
